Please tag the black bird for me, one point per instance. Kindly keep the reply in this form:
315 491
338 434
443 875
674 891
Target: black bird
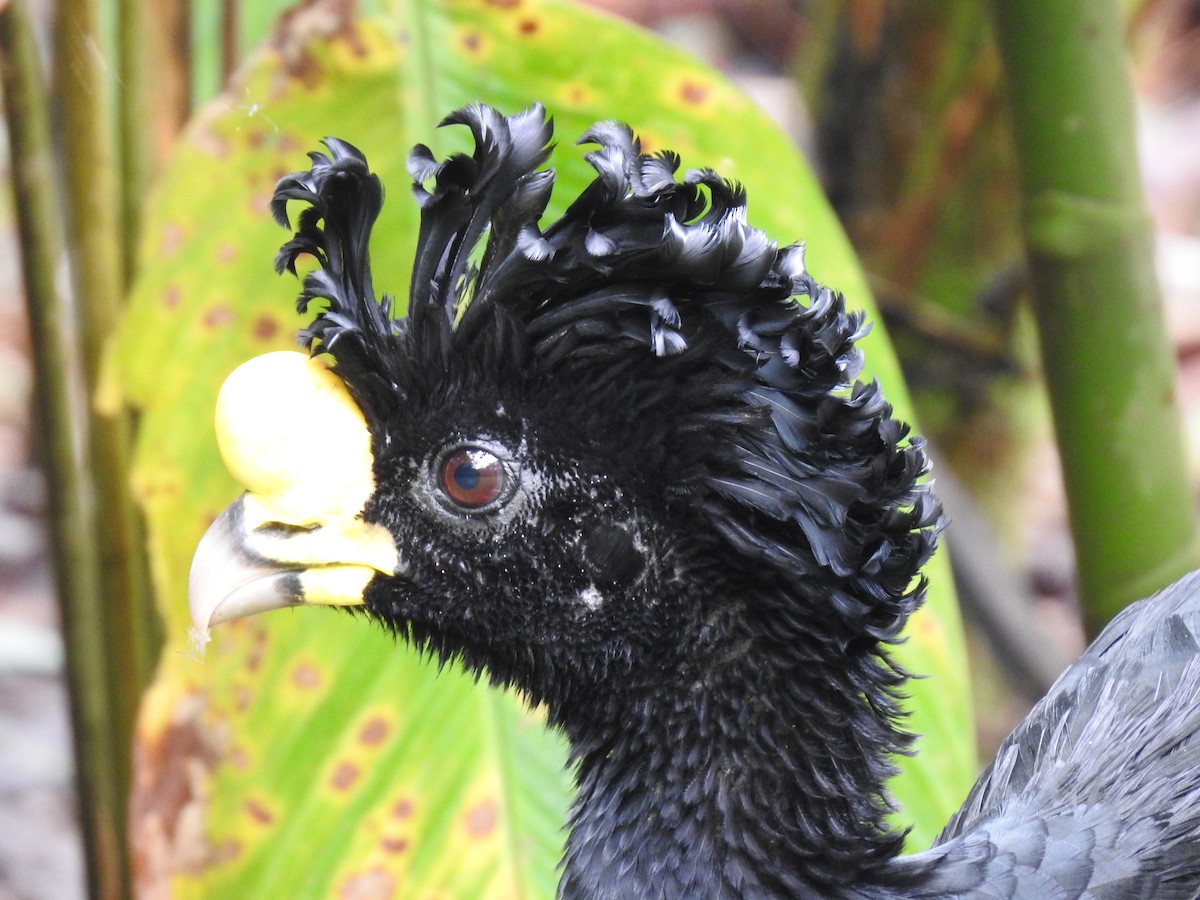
622 463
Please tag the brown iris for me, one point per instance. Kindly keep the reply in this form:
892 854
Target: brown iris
472 478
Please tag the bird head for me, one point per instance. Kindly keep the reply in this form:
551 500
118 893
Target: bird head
591 452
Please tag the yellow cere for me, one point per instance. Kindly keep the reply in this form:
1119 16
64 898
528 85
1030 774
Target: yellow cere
290 432
335 585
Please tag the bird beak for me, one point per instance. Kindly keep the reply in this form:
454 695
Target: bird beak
248 562
290 432
229 581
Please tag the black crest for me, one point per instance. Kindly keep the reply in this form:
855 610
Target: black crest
343 200
802 468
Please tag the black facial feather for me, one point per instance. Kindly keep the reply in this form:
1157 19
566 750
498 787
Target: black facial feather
711 496
628 469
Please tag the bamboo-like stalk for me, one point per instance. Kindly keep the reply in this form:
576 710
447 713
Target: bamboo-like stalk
171 47
1108 363
94 236
62 402
136 65
229 39
153 56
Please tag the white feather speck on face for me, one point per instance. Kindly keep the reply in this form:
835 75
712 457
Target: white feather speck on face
591 597
639 543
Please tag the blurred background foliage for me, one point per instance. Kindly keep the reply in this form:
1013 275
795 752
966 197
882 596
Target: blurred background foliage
901 108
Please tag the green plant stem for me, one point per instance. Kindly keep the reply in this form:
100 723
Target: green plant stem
229 40
94 233
142 629
170 47
1108 363
135 115
61 398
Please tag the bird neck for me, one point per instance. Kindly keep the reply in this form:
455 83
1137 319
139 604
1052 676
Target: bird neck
754 768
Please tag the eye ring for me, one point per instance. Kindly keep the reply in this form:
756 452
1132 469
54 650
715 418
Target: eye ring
472 479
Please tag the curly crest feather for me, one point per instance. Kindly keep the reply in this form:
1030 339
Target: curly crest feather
658 277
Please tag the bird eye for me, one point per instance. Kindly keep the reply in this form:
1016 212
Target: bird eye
472 478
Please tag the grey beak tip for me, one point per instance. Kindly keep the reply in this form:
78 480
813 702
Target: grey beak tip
229 581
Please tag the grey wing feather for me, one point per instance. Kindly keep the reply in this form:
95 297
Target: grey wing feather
1097 793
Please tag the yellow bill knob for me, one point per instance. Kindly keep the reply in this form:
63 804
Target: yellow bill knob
292 435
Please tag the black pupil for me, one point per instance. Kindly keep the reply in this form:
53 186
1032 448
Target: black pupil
466 476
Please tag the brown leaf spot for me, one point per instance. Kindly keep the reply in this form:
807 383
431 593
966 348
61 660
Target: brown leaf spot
243 697
227 852
374 884
172 295
155 486
472 42
255 657
213 144
528 27
402 809
393 845
258 811
374 731
172 238
306 24
265 328
481 820
219 316
306 676
693 93
575 94
344 776
259 203
239 758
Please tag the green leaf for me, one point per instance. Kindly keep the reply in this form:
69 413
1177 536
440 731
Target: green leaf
306 755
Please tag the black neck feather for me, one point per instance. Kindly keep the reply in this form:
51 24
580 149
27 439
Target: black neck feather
756 768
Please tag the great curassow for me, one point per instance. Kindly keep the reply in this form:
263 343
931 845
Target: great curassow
621 462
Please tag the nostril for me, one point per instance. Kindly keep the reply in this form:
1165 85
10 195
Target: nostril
285 529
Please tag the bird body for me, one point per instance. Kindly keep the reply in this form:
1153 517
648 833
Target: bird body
622 463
